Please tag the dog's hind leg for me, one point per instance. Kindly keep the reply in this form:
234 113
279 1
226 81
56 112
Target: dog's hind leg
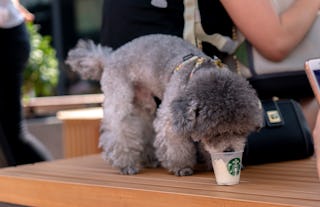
125 128
145 107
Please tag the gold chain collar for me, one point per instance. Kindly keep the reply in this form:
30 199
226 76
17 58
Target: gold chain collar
198 61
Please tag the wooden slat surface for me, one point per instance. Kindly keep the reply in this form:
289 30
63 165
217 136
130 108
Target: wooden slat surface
51 101
52 104
89 181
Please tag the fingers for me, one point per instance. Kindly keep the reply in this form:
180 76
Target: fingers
316 141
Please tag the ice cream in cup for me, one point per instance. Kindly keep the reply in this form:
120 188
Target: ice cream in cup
227 167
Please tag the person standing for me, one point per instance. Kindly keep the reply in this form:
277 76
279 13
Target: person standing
125 20
17 144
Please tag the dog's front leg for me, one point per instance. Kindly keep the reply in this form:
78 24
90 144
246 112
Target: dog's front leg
176 153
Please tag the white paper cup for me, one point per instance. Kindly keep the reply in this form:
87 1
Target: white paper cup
227 167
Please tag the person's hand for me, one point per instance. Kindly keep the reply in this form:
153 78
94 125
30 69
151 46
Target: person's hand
316 141
28 16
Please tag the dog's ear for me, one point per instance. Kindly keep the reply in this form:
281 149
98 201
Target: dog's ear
184 114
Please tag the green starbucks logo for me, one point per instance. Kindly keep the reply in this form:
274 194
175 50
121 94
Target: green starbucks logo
234 166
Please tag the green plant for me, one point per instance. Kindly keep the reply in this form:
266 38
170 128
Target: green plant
41 73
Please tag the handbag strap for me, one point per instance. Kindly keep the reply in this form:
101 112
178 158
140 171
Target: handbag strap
194 32
189 21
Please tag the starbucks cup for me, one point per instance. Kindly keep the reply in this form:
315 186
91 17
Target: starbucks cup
227 167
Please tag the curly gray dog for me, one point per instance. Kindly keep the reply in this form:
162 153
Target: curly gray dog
201 102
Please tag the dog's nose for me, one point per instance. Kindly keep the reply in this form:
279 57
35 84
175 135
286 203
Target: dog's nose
228 149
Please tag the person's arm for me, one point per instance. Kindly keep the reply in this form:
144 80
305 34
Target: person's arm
316 142
272 35
29 17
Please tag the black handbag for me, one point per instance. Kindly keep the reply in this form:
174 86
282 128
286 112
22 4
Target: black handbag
285 135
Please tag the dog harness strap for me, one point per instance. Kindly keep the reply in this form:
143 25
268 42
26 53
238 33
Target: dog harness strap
187 61
198 61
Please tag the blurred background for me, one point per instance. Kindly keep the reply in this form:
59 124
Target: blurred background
60 23
49 82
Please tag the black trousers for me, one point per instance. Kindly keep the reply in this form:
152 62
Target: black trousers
19 148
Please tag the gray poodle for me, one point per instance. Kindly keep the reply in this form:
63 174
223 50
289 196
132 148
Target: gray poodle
203 104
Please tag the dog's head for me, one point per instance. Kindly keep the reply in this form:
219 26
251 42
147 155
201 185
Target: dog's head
218 108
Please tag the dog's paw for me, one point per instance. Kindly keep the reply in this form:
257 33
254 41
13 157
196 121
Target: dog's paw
129 170
184 171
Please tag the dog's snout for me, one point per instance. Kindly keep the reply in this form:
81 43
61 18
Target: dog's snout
228 149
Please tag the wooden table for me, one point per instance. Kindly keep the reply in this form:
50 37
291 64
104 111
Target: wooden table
89 181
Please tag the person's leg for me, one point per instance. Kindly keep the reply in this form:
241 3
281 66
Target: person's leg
15 50
6 157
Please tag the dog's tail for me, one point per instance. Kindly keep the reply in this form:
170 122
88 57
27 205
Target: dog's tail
88 59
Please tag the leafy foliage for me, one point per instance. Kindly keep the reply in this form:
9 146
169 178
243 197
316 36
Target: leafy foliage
41 74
